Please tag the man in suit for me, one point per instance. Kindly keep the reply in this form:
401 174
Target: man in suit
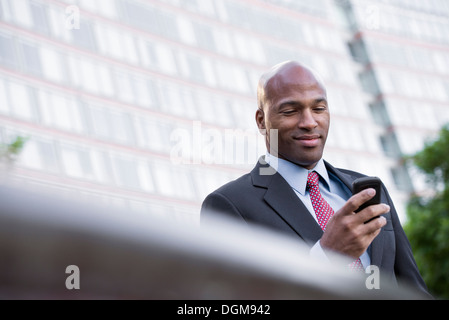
293 114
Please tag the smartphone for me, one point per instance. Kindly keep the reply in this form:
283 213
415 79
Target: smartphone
364 183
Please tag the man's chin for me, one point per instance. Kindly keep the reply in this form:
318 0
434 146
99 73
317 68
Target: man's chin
300 160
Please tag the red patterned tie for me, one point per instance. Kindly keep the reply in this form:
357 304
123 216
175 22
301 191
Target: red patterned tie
323 210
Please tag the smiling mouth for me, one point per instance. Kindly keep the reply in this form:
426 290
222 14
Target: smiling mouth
308 140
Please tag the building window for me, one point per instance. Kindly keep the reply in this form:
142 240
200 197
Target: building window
121 127
125 171
116 44
100 122
223 42
195 67
4 104
145 176
20 102
76 162
40 18
204 35
166 62
143 92
171 100
32 60
60 112
107 8
101 166
51 65
125 83
8 55
401 179
30 156
40 154
22 12
186 31
84 36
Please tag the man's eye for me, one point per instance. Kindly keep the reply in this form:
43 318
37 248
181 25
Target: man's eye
288 112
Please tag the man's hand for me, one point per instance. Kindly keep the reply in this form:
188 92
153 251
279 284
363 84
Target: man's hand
347 233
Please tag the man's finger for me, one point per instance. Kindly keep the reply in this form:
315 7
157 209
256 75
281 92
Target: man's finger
357 200
373 227
372 211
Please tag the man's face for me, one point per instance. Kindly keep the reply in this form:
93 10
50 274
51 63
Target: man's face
295 105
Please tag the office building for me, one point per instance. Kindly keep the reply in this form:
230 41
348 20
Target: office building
149 104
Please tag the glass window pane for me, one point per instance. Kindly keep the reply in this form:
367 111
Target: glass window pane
164 179
88 72
105 80
32 58
7 51
4 105
48 154
30 156
74 71
142 93
71 162
113 42
20 104
223 42
39 17
22 12
61 112
143 170
123 130
129 48
89 5
186 31
100 121
184 187
84 36
189 104
126 172
204 104
126 92
101 166
51 64
107 8
165 59
57 24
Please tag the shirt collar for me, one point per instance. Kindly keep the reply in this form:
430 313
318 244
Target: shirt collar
295 175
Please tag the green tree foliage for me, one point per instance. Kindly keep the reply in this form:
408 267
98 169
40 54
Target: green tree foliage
428 216
11 150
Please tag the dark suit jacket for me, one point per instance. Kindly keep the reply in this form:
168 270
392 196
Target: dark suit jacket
268 200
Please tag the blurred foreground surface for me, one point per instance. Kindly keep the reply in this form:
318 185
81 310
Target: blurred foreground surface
125 255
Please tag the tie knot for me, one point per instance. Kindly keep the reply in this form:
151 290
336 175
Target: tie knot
312 179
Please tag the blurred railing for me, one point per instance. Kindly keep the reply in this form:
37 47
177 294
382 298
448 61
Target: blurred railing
125 255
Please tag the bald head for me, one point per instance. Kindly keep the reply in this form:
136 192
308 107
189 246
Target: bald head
280 75
293 106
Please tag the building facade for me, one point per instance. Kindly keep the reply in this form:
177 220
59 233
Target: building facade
403 47
149 104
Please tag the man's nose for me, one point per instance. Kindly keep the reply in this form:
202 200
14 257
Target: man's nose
307 120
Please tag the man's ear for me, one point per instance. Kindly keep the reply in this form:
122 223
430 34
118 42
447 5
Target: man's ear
260 120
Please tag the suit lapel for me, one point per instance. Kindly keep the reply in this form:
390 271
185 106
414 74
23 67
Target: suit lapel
283 200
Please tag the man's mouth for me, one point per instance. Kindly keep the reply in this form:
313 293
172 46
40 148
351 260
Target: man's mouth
308 140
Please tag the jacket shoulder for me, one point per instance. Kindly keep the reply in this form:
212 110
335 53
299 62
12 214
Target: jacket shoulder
354 174
237 186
